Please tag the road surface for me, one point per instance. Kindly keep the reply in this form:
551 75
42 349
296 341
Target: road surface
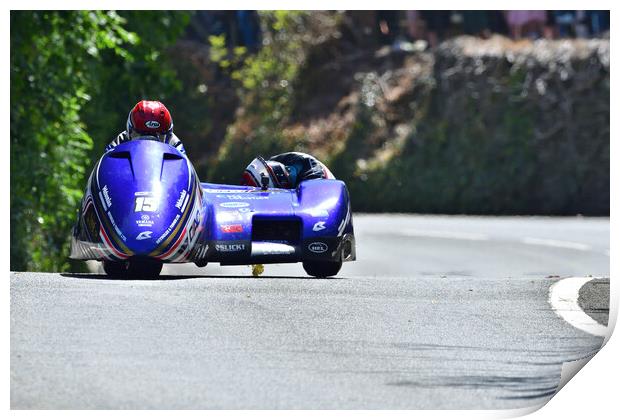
438 312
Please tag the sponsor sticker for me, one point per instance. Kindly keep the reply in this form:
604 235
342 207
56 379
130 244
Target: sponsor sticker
144 221
232 215
152 124
167 232
144 235
174 221
240 191
318 247
242 196
220 191
230 247
234 204
318 226
179 202
106 196
116 228
231 228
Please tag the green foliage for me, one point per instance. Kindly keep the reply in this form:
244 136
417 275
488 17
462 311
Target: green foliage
142 71
265 84
53 56
67 70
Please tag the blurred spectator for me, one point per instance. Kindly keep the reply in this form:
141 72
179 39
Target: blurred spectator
387 20
435 26
551 30
360 25
413 24
249 29
206 23
476 22
598 21
528 23
565 22
497 22
240 27
581 25
437 23
200 26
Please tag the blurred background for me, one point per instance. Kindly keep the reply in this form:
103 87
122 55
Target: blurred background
450 112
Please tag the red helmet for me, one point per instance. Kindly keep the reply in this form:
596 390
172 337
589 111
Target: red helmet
150 118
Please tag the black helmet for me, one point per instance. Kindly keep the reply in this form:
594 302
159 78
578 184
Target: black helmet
276 173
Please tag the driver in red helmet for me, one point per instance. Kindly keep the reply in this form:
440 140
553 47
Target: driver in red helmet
148 119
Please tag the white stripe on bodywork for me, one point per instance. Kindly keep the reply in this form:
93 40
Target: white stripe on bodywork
189 173
185 202
345 221
97 177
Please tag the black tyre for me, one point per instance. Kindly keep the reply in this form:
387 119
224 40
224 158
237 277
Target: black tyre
133 269
322 268
116 269
145 269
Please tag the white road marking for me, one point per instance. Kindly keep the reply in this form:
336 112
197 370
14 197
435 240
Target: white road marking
563 297
444 234
556 243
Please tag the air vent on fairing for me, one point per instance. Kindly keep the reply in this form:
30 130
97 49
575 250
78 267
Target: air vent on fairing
120 155
276 230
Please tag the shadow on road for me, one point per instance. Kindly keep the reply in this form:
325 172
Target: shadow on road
167 277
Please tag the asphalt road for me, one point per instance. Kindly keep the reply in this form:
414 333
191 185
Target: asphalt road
439 312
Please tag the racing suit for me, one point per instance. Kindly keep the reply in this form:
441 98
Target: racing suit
123 137
302 166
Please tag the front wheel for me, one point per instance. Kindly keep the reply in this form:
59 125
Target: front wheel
116 269
147 269
322 269
133 269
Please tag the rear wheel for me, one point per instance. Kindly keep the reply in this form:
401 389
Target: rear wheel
322 268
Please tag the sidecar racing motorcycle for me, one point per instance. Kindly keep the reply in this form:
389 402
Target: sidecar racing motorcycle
144 206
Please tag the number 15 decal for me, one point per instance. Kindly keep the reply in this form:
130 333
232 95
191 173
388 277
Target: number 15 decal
146 204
